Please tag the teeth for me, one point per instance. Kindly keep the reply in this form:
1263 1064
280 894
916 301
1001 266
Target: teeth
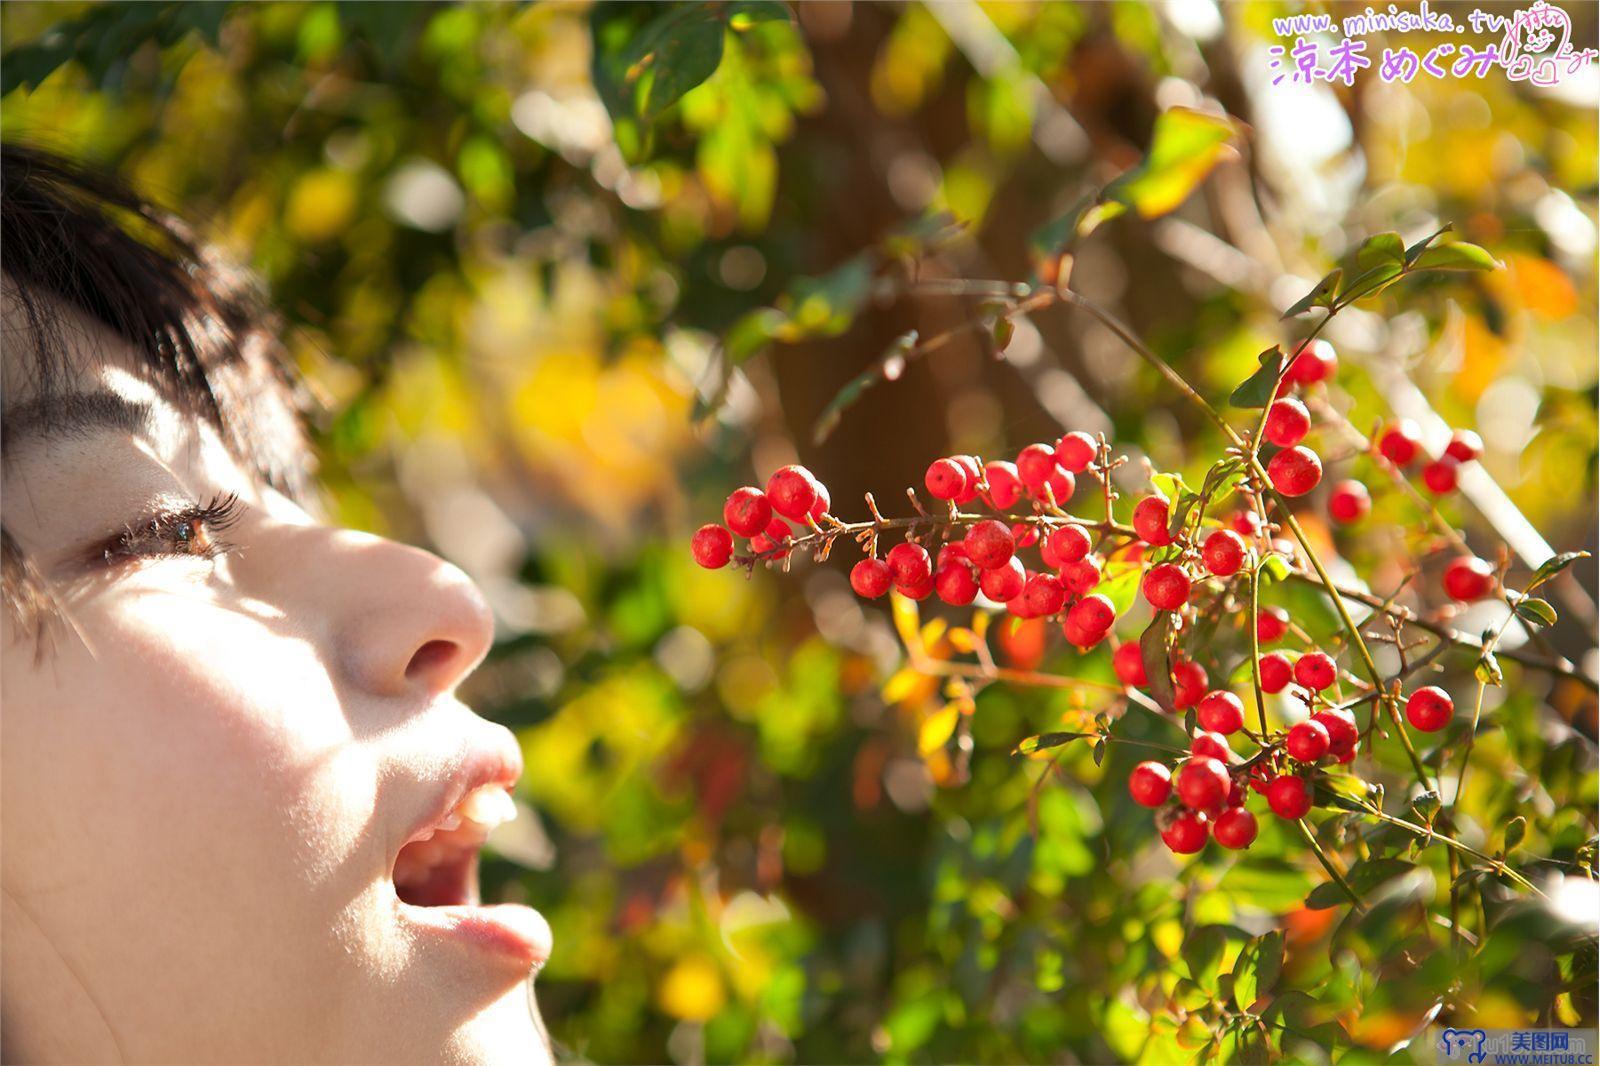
488 805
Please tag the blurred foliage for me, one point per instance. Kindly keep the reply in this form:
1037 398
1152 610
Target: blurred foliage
562 275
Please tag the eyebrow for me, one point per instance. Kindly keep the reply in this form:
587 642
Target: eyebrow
72 414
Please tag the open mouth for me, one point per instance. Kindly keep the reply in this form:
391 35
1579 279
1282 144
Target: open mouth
438 867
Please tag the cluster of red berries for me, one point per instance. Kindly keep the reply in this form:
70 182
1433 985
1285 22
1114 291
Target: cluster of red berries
1206 794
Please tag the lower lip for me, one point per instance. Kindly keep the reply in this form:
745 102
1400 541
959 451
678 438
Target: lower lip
509 930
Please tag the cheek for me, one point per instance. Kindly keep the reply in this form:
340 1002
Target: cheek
205 738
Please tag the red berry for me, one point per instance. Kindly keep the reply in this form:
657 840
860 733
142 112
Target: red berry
1223 553
820 507
973 467
871 578
1186 833
1202 782
1061 485
1150 784
1343 734
1093 615
1079 637
1289 796
1024 534
945 479
990 544
1189 682
1005 488
1295 471
1128 662
1275 672
1003 583
1271 624
747 511
1312 363
1065 544
1235 829
1314 670
1464 446
712 547
792 491
1081 577
1150 517
1166 587
1468 578
1211 746
1429 709
910 565
949 551
1035 464
1399 443
1440 476
775 536
1076 451
1306 741
1220 712
1288 422
920 591
1246 523
1042 594
1349 502
955 584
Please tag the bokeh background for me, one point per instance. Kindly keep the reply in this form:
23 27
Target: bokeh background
546 344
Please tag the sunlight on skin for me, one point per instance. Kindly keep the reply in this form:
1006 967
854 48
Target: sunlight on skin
207 776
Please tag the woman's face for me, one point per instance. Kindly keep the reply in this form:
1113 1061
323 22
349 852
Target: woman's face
209 770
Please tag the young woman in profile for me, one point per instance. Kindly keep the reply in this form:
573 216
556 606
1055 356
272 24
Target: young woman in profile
240 805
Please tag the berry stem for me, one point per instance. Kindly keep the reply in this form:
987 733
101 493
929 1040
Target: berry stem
1255 641
1498 865
1327 864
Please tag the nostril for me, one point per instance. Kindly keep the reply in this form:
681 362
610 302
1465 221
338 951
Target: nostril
431 659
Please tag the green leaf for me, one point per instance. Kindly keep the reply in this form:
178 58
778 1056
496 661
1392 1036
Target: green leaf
743 14
1057 235
826 306
886 368
1320 296
1363 877
1535 611
1256 391
1417 249
1100 751
1121 586
1516 832
639 70
1256 972
1381 250
1370 282
1553 566
1202 952
1456 255
1044 741
1180 512
1153 650
1185 148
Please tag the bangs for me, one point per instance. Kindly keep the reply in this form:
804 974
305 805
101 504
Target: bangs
73 240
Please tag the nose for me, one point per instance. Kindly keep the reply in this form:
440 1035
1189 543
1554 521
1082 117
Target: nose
422 628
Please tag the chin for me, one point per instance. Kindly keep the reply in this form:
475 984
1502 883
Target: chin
506 1032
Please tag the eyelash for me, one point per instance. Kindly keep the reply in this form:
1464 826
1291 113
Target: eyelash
189 531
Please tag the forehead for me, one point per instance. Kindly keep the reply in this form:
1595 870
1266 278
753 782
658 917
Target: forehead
64 371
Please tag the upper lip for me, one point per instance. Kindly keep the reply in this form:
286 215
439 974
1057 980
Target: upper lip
489 764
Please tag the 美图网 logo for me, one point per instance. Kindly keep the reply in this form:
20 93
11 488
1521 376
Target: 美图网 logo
1524 1047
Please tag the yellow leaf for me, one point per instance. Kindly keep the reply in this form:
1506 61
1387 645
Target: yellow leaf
903 685
692 990
933 631
963 640
1544 288
906 621
1483 355
320 205
937 728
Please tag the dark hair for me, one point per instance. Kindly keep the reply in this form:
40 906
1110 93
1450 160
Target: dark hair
75 239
